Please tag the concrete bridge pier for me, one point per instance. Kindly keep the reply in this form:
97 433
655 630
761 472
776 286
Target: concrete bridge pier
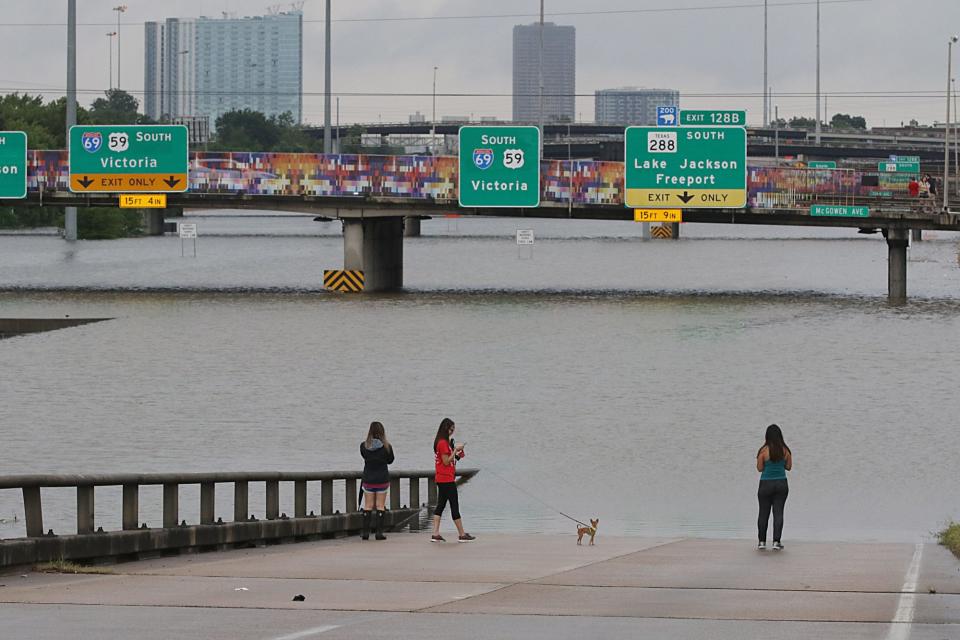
375 246
153 224
916 235
897 242
675 230
411 227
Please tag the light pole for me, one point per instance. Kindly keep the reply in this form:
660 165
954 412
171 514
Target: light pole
120 10
956 149
766 94
184 83
540 75
110 35
433 118
70 213
327 142
818 75
946 125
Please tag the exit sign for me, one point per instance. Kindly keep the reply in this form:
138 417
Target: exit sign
714 118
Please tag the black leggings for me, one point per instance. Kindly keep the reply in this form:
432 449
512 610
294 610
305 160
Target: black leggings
447 492
772 493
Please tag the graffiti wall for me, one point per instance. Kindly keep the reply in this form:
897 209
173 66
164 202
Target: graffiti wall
435 178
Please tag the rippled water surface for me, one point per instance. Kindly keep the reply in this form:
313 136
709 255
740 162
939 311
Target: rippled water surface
606 376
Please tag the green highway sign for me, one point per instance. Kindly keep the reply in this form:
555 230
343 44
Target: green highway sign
128 158
905 159
499 166
822 164
13 165
713 118
899 167
839 211
880 194
694 167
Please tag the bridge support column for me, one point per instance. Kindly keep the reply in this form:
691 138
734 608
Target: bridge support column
411 227
152 221
375 246
916 235
645 230
675 229
897 242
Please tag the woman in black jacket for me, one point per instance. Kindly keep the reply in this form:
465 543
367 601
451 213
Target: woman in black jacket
377 454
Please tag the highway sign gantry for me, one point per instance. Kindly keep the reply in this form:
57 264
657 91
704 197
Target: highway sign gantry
13 165
128 159
499 166
688 167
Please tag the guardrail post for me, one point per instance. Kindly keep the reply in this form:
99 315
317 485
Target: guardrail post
394 493
85 509
351 489
273 499
300 499
326 497
207 502
414 493
241 501
33 511
171 505
131 506
431 491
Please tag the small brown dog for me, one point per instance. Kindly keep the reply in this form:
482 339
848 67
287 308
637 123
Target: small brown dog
591 530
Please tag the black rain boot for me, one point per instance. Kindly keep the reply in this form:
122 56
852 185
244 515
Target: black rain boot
365 532
380 517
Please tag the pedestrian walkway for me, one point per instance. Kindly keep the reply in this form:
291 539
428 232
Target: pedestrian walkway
503 586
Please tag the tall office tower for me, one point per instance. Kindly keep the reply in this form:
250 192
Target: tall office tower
559 73
207 67
630 105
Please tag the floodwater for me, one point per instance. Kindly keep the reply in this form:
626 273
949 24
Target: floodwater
597 374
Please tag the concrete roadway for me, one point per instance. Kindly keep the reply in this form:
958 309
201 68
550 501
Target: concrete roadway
503 586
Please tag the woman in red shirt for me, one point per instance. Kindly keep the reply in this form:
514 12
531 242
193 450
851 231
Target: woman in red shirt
446 454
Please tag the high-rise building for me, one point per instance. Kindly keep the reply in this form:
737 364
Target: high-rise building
559 73
631 105
207 67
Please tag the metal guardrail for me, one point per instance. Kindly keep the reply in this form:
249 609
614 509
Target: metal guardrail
85 485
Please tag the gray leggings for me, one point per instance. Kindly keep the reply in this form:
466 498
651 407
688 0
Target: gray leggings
771 494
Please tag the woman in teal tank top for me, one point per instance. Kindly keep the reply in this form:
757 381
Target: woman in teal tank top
773 461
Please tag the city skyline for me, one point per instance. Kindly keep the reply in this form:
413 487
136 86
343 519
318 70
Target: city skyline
713 57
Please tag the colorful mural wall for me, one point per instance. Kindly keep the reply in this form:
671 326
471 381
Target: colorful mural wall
435 178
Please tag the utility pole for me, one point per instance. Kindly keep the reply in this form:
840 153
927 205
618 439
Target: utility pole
433 117
70 213
540 72
766 94
338 124
110 35
956 148
946 126
818 75
120 10
327 141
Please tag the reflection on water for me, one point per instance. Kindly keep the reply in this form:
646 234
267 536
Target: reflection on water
607 377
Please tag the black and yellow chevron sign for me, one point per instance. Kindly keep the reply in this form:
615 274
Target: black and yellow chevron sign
661 231
344 280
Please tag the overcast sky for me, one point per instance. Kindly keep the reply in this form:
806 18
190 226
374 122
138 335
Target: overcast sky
883 46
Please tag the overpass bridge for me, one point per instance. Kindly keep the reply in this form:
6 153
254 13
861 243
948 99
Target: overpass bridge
377 196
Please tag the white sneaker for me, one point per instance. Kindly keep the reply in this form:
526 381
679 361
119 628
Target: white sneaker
762 546
777 546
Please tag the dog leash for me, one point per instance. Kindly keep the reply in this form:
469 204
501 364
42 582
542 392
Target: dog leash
487 468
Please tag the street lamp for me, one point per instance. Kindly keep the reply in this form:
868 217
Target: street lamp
184 83
956 148
119 9
817 127
110 35
433 118
946 125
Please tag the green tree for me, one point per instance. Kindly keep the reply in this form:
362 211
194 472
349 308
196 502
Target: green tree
246 130
845 121
798 122
119 107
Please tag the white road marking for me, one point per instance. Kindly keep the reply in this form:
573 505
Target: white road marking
902 620
306 633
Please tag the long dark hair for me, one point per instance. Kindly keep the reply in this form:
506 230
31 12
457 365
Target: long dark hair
376 431
775 445
443 433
